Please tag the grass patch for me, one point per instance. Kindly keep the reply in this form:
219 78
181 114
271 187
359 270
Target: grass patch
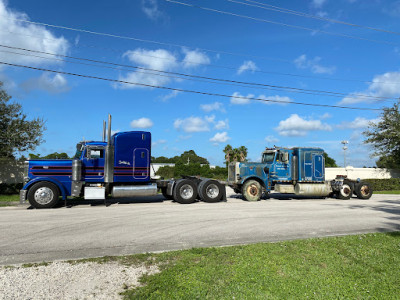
387 192
351 267
7 200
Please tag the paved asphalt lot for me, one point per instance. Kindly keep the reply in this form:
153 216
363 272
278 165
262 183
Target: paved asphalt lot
154 224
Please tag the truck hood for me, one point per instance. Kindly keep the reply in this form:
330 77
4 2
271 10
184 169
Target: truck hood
49 167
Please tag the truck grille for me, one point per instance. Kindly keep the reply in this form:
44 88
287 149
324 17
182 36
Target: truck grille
231 172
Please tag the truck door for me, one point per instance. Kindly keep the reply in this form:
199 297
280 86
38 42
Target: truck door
308 166
93 164
141 163
319 166
282 167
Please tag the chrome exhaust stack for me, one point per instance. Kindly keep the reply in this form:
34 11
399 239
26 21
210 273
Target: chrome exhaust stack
104 131
109 158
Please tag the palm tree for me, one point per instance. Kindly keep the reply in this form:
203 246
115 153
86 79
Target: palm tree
228 154
242 153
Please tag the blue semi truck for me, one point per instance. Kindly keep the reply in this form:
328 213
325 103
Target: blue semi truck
299 171
120 167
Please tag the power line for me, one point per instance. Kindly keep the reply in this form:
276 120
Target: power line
218 66
137 39
202 78
301 14
281 24
187 91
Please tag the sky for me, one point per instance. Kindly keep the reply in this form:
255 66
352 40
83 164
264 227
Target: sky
285 55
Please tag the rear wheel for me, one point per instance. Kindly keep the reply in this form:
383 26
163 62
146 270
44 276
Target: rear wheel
345 192
185 191
363 190
210 191
43 195
252 190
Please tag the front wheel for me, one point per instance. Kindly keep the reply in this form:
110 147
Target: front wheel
43 195
252 190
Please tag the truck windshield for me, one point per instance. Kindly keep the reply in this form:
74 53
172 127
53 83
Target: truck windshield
268 157
79 149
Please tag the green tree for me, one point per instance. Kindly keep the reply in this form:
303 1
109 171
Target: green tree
54 155
329 161
384 137
16 132
235 154
186 156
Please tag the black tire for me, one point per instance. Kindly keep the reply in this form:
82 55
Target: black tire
166 196
345 192
43 195
252 190
185 191
210 191
363 190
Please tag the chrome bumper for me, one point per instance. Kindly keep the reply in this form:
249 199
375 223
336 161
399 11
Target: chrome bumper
22 196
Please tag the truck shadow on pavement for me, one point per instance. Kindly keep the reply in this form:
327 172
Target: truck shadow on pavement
110 201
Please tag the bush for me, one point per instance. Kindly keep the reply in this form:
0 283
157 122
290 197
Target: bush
193 170
10 188
384 184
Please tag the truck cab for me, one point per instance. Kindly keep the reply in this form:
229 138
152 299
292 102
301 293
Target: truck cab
120 166
280 169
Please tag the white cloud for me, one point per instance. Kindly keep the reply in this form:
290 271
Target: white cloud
142 123
325 116
151 10
169 96
302 62
297 126
217 106
384 85
237 98
283 100
192 124
220 137
24 35
271 139
193 58
222 124
318 3
159 142
158 60
248 65
183 137
357 123
210 119
53 84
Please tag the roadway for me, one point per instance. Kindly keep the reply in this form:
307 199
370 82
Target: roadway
91 229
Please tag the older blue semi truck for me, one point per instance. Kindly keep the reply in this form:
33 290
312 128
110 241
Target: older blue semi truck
299 171
120 167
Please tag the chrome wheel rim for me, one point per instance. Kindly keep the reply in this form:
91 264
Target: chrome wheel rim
364 190
44 195
346 190
212 191
252 190
186 191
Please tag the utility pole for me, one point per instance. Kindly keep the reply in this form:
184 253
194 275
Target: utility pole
344 151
